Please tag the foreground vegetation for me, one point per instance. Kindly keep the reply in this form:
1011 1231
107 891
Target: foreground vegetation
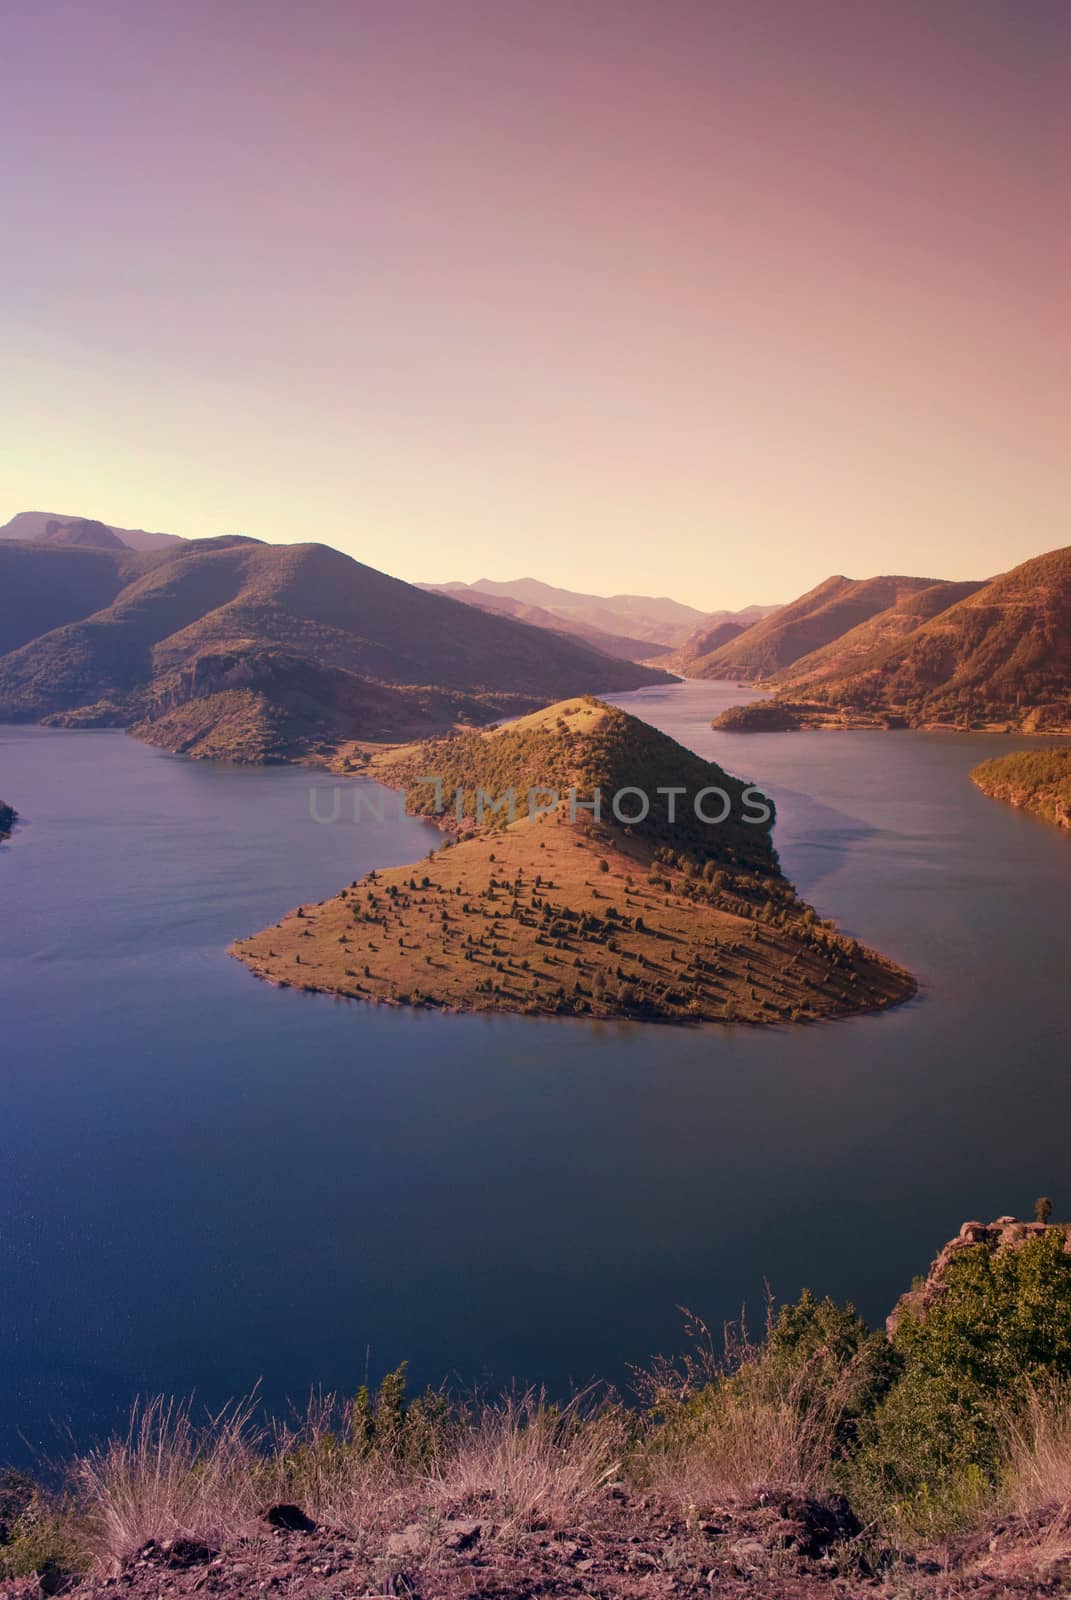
827 1446
1037 780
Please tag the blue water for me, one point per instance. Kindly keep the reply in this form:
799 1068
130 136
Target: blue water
205 1181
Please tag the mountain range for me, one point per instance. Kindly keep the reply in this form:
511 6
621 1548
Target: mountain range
638 627
50 527
233 648
913 651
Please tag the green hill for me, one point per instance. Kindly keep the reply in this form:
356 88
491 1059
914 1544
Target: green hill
230 647
1037 780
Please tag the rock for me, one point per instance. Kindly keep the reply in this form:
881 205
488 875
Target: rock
291 1519
1006 1233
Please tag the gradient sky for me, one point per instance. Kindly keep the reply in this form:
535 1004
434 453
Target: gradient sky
701 297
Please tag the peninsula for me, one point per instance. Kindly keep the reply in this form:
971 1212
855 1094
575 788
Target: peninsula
1038 781
633 879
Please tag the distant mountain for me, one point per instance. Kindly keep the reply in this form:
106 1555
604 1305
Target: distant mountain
81 532
624 647
656 621
1000 654
31 525
823 614
234 648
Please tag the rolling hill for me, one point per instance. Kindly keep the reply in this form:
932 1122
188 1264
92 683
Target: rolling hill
229 647
671 916
31 525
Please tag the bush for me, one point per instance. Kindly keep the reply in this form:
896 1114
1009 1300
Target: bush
932 1451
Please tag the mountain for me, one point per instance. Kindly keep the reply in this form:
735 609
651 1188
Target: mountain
82 531
779 639
229 647
30 525
625 648
885 628
659 907
656 621
1001 654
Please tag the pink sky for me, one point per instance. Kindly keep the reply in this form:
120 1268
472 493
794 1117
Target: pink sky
710 299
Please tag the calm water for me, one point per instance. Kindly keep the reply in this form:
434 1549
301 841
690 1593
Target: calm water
205 1181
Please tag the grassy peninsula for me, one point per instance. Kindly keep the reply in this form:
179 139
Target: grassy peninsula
1035 780
561 912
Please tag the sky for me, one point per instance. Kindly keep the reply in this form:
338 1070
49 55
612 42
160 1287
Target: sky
710 298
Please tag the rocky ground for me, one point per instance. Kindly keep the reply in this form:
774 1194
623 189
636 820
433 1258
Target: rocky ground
633 1548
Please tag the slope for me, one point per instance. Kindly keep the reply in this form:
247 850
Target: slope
668 917
821 615
294 644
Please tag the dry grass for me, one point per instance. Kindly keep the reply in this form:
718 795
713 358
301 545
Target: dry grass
458 943
1038 1470
170 1477
535 1463
526 1462
737 1426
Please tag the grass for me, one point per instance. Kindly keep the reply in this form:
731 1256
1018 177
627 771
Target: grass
732 1435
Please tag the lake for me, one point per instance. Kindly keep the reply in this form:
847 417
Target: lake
205 1181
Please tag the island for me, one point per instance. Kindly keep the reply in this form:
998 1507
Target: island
591 867
8 818
1038 781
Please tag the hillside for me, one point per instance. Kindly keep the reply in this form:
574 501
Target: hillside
43 587
884 629
229 647
653 619
553 911
1002 656
1038 781
30 525
624 647
770 645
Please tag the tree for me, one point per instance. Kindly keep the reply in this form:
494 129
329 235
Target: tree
1043 1209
